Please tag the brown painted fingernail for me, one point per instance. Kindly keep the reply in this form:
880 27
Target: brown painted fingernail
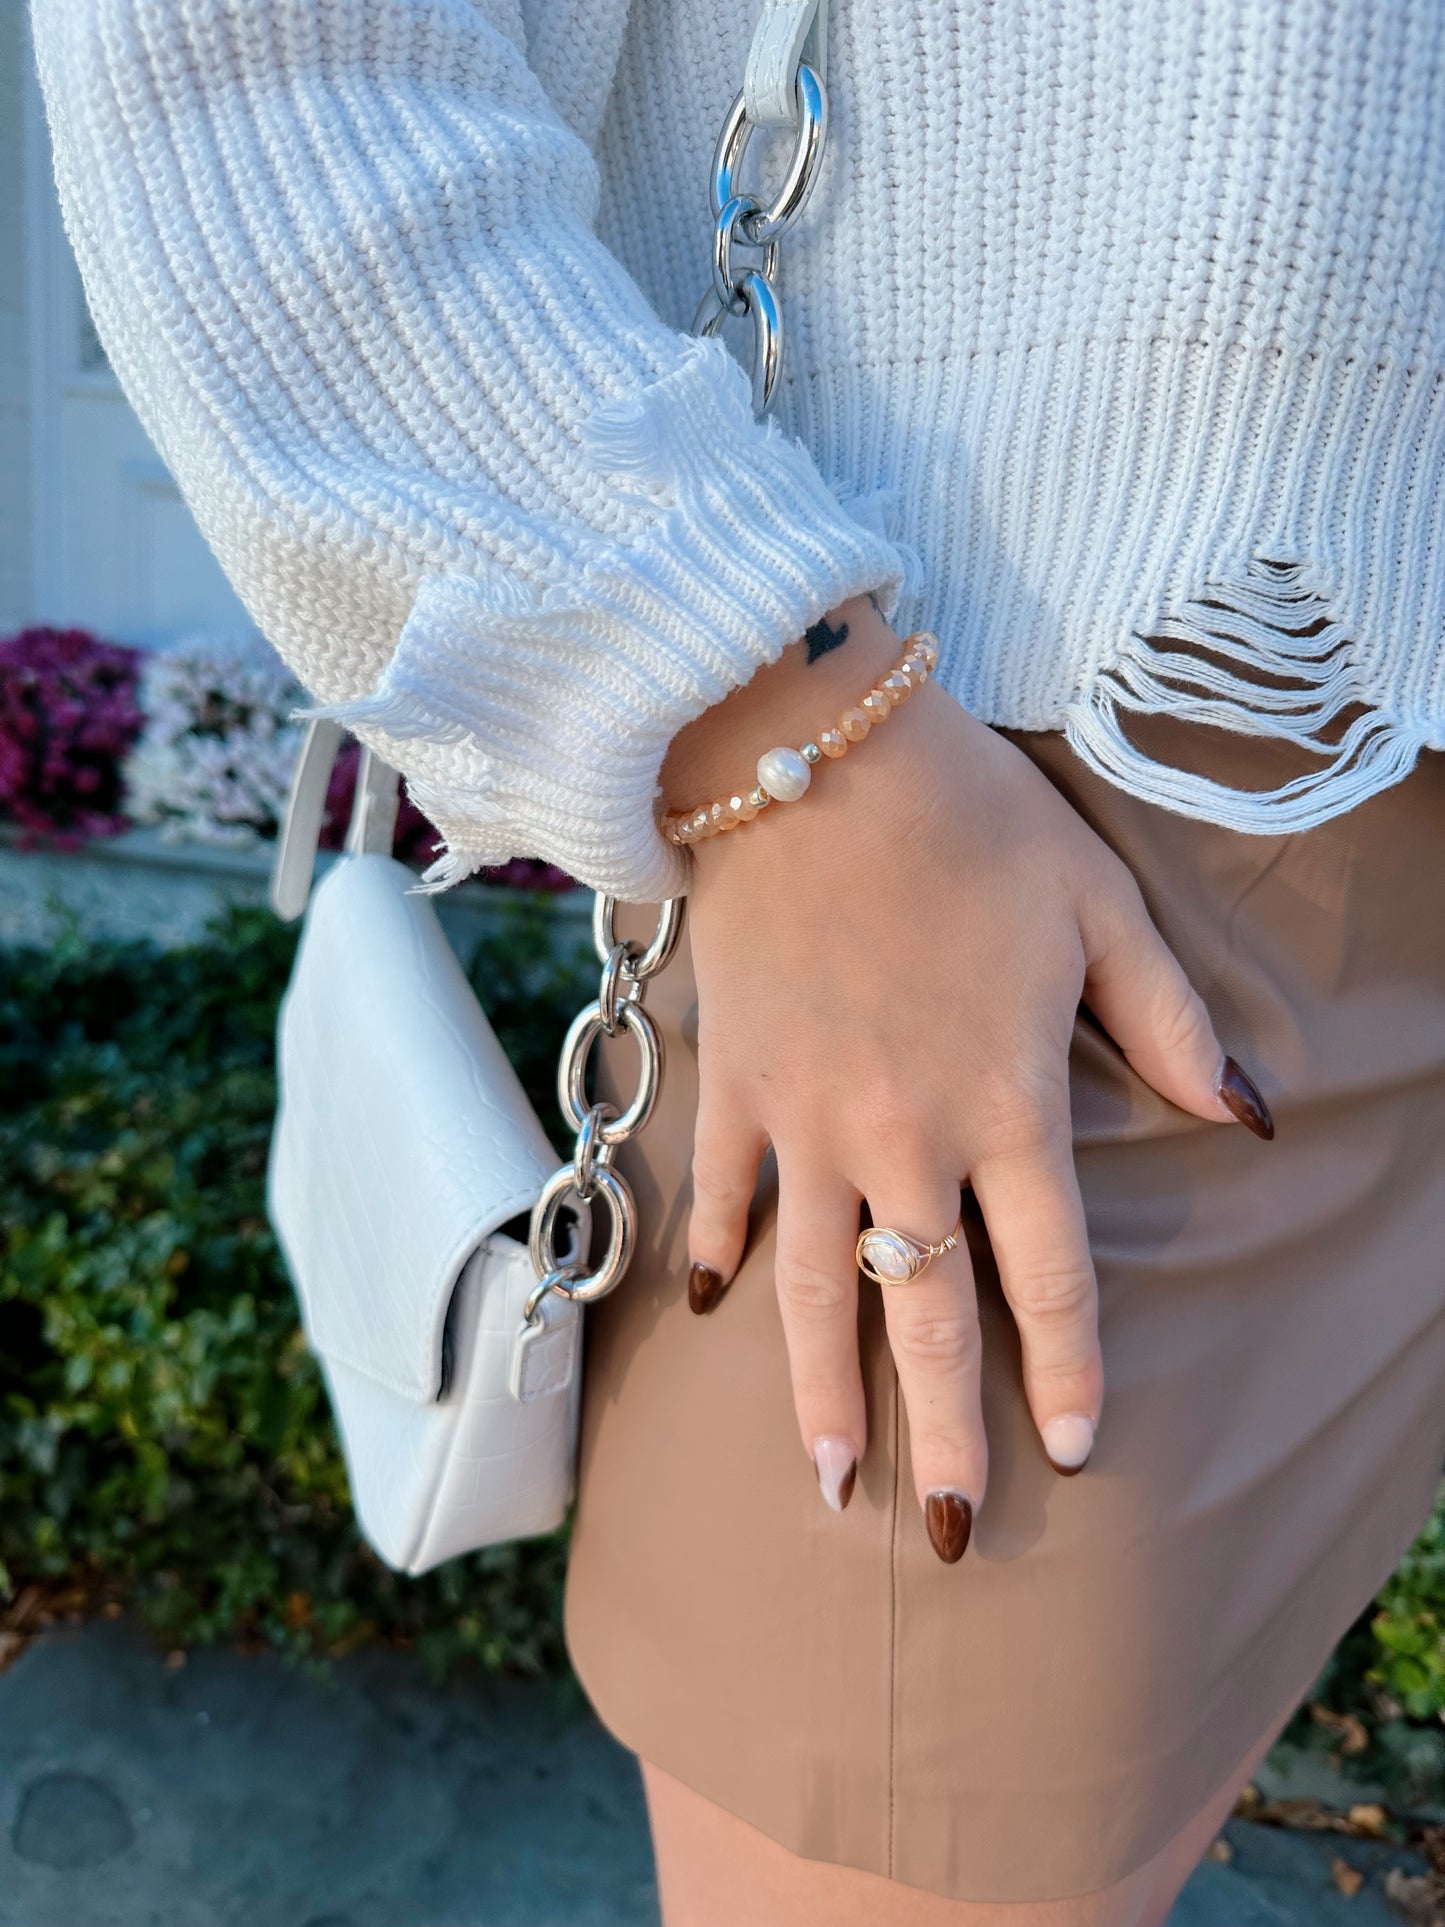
949 1518
704 1288
1237 1094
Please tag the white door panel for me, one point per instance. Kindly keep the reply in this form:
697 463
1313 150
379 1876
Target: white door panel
115 549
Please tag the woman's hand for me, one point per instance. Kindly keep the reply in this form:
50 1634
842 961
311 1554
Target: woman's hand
888 973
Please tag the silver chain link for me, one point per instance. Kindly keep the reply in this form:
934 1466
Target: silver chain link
588 1178
742 288
749 288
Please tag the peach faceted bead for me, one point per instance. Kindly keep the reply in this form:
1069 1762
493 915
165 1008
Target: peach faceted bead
742 809
896 688
876 706
833 742
854 725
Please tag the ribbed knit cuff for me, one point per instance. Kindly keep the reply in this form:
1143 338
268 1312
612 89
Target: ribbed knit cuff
534 722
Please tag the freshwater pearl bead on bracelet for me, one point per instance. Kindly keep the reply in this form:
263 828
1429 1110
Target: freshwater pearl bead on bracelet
785 774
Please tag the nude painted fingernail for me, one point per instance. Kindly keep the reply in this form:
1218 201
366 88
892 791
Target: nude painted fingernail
704 1288
1238 1095
1068 1440
837 1466
949 1518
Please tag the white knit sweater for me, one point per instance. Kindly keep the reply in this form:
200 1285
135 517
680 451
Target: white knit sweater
1117 335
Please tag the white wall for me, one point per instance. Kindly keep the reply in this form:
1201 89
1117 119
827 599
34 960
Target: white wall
93 532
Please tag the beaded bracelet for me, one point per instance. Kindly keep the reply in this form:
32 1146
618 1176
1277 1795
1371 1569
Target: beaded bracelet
785 774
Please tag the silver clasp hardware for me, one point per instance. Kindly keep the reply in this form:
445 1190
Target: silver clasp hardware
748 288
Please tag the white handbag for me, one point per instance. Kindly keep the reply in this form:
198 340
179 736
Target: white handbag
404 1144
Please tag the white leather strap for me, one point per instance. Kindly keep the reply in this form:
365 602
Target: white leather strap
544 1354
300 830
372 829
789 31
373 815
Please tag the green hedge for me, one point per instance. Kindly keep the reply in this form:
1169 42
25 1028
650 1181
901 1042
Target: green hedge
160 1420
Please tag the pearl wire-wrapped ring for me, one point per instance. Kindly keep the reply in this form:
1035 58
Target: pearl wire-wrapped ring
892 1257
785 774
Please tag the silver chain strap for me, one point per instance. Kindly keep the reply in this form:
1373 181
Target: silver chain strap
740 222
589 1177
749 288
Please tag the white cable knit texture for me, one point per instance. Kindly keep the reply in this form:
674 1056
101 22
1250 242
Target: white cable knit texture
1116 344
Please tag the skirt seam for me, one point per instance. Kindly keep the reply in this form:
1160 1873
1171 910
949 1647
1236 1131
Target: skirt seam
893 1625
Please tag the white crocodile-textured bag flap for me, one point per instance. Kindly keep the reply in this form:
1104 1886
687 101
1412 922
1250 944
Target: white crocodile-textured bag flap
403 1142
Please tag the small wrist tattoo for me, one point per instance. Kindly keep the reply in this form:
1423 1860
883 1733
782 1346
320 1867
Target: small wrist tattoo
822 637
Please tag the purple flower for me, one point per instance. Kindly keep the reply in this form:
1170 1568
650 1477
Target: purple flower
69 713
416 840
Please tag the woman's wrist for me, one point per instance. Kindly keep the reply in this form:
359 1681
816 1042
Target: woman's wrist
789 701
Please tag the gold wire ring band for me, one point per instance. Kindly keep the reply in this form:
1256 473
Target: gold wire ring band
785 774
891 1257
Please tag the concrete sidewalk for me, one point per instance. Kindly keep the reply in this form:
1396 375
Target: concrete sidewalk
237 1792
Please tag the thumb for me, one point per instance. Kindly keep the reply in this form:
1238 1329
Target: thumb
1136 989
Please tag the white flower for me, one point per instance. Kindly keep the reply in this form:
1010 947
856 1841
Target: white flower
213 763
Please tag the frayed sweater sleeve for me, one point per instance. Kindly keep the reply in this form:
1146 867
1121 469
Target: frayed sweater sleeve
494 513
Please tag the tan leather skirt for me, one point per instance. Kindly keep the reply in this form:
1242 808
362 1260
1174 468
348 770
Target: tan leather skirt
1040 1719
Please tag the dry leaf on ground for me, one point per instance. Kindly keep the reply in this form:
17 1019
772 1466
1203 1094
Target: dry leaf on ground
1348 1879
1354 1735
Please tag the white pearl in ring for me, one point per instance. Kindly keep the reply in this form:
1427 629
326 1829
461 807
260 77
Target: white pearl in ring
888 1256
784 773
